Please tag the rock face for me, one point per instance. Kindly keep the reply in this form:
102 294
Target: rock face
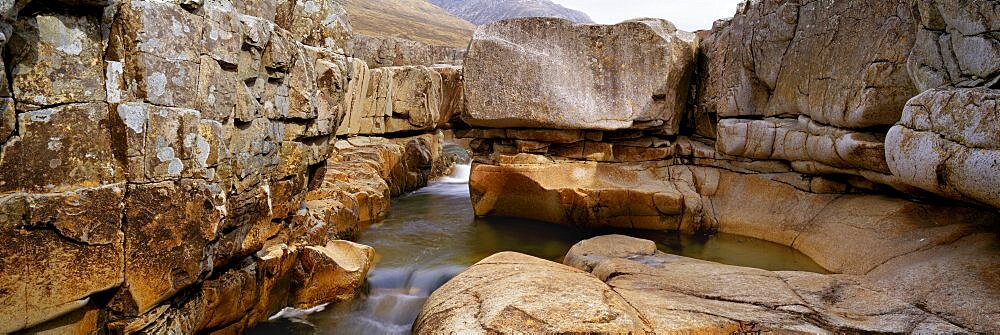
482 12
159 161
827 60
956 45
379 51
633 75
631 287
391 100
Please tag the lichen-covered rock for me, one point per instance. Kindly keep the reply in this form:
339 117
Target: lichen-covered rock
842 63
334 272
57 59
551 73
512 293
318 23
957 44
60 149
947 144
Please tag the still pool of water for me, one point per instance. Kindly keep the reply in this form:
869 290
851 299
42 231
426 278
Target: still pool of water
432 234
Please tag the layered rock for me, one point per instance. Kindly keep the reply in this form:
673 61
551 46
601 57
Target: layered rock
633 75
379 51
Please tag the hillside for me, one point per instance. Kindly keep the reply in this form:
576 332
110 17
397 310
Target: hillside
486 11
416 20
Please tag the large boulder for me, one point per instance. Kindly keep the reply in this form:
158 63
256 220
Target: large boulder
947 144
552 73
516 293
331 273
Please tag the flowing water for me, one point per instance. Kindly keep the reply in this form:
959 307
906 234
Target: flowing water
432 234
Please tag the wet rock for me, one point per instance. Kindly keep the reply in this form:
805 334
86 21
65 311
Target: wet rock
957 44
641 82
57 59
946 143
331 273
586 194
509 293
60 149
829 60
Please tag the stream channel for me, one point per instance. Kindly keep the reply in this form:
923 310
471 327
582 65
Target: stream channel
431 235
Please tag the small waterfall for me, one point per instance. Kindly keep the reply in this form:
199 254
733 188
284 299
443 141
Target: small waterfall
395 298
459 175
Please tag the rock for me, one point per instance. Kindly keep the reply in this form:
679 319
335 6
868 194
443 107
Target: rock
166 245
957 45
331 273
57 59
322 23
396 99
60 249
150 38
163 143
801 140
641 82
380 51
60 149
511 293
585 194
946 143
680 294
452 93
828 60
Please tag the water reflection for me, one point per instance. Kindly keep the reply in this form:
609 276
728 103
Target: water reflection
431 235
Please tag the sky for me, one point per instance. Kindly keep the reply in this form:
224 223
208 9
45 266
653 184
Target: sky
687 15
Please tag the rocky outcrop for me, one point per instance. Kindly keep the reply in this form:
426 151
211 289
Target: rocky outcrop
156 157
828 60
631 287
633 75
391 100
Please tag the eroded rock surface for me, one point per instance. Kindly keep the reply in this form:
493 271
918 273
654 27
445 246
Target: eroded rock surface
631 75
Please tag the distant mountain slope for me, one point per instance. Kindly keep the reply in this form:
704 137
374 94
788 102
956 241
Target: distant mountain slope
486 11
415 20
